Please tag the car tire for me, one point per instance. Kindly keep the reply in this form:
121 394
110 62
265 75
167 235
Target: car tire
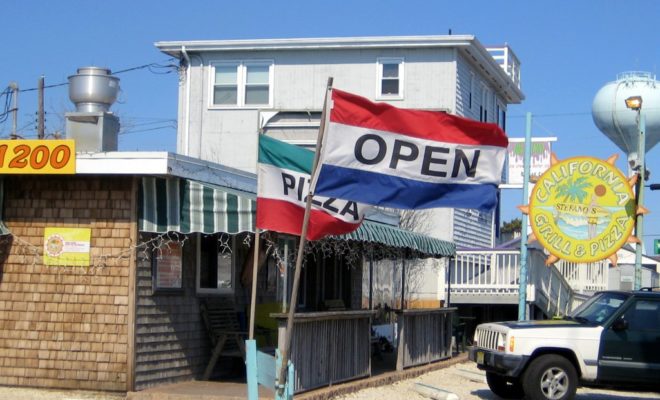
506 388
550 377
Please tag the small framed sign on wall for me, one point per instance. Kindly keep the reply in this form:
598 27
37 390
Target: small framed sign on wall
168 267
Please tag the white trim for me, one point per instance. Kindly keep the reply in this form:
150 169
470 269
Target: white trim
379 80
241 83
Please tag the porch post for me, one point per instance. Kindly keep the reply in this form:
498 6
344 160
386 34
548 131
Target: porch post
371 281
403 284
286 349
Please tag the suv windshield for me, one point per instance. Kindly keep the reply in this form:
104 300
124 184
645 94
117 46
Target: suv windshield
599 308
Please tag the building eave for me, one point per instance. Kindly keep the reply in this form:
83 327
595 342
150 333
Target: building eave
164 164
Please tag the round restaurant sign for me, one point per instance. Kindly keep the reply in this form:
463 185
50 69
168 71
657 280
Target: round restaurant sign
582 209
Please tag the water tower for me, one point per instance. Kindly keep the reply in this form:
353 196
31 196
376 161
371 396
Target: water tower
620 123
627 111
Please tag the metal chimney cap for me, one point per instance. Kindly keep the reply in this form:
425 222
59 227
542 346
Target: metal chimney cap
92 70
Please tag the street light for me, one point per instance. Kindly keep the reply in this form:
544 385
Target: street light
635 103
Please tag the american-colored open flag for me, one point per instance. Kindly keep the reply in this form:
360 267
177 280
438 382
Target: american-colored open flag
378 154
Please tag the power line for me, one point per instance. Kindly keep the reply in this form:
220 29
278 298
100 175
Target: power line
151 66
570 114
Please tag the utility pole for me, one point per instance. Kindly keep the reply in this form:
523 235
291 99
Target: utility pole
14 110
40 116
522 288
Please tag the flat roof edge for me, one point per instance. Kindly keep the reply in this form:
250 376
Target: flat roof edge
174 47
165 164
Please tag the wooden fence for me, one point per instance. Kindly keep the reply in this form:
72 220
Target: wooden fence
424 336
328 347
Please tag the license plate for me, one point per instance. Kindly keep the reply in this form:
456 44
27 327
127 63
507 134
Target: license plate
480 357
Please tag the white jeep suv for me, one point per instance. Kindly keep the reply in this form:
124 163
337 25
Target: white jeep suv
611 339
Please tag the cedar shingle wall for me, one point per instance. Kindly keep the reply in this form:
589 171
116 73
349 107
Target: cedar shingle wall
65 327
171 342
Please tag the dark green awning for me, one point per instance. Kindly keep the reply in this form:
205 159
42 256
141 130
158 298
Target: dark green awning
3 228
186 206
375 232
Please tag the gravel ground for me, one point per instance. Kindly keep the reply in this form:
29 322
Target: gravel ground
460 379
464 380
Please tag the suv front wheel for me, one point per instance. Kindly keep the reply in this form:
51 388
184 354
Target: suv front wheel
503 387
550 377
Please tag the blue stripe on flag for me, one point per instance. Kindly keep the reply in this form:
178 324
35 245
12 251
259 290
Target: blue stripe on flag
390 191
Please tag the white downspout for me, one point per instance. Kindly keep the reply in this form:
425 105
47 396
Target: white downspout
186 123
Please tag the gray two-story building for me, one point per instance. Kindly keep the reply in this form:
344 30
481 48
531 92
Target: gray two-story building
230 91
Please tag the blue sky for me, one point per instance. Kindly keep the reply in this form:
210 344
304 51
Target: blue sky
568 50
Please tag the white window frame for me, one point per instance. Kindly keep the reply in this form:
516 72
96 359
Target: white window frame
241 78
379 82
198 265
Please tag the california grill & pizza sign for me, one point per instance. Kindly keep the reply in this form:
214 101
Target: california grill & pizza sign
582 210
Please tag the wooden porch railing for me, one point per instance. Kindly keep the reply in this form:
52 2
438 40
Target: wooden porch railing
424 336
328 347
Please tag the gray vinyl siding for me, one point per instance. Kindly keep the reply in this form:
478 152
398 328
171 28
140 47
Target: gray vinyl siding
472 228
171 343
464 74
299 82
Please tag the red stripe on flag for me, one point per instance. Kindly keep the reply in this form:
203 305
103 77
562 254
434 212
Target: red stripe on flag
350 109
285 217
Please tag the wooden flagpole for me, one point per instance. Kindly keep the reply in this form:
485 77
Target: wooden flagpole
255 271
293 300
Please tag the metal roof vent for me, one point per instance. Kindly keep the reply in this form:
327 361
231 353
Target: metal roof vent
93 90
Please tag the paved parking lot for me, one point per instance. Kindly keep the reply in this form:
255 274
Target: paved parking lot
467 382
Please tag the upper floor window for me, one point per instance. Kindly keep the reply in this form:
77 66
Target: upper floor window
390 78
242 83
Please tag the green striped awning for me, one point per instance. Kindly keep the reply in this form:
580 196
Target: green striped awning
3 228
388 235
186 206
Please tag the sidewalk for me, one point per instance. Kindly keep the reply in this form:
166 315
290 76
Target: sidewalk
16 393
205 390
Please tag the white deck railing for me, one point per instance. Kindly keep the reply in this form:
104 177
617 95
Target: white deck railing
484 271
557 289
508 61
585 277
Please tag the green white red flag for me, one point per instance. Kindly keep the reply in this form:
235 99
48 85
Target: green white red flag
282 188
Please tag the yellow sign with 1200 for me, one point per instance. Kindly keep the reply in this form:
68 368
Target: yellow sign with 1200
37 157
582 209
